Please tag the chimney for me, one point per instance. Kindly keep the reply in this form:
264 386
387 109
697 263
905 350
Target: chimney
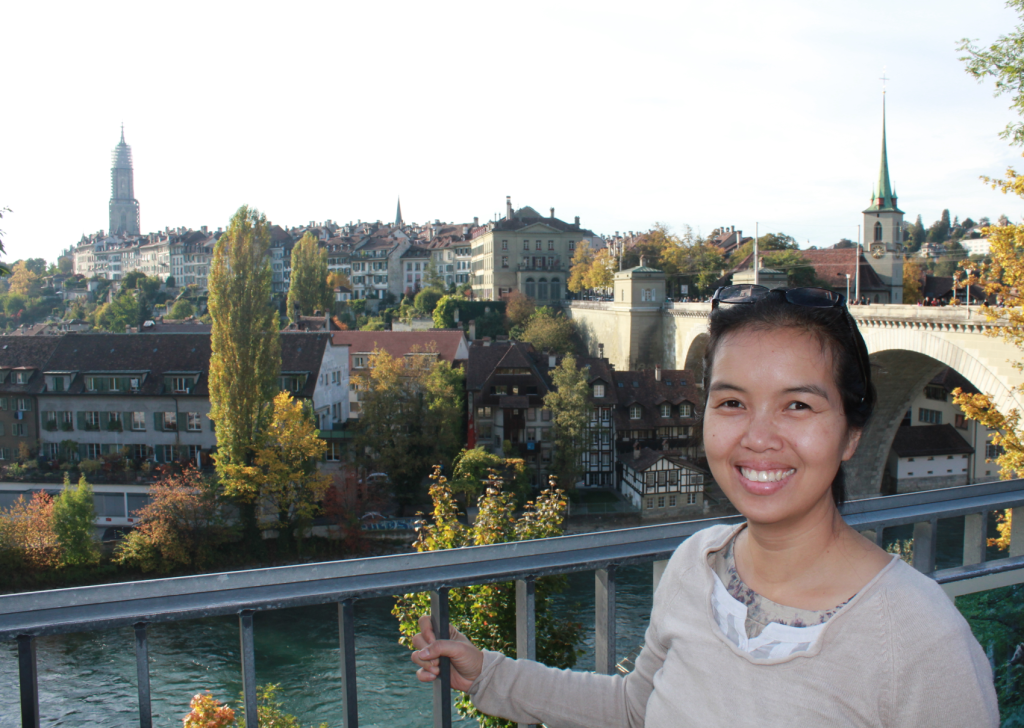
552 213
472 329
204 229
657 372
476 222
552 361
600 351
577 220
636 450
508 207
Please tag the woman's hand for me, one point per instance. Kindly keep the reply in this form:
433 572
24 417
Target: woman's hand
466 660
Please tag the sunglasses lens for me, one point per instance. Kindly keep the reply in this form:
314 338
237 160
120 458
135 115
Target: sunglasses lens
741 294
813 297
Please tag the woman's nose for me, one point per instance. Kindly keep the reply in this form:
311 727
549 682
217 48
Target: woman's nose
762 433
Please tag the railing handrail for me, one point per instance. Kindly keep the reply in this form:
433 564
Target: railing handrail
189 597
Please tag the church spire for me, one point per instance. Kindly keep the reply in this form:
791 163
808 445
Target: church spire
398 215
883 198
122 132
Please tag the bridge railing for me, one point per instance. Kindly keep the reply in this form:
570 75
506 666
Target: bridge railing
25 617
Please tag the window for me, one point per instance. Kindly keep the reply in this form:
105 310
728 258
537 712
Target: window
691 499
504 261
634 412
92 452
671 501
359 362
180 384
526 245
195 453
531 414
666 410
598 390
545 415
333 453
92 420
538 245
650 503
686 410
133 384
21 377
931 417
960 422
194 423
934 392
878 232
993 451
483 413
504 245
58 384
19 429
170 421
572 245
551 245
661 501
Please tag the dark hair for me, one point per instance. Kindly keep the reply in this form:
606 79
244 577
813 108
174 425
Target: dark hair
837 332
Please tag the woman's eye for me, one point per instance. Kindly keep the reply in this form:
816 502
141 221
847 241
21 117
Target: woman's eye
731 403
798 406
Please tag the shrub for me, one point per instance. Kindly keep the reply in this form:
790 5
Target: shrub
208 712
27 538
17 470
486 613
89 466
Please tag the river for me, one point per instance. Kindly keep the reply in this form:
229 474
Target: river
89 679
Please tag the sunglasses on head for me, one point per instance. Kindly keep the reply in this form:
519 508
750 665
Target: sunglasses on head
806 297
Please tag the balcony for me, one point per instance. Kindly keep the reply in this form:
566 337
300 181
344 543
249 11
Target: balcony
25 617
555 267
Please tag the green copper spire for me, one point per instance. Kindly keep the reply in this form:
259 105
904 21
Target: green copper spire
883 199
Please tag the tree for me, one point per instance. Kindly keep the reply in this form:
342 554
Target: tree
569 403
473 468
245 349
181 526
766 242
1003 61
27 538
582 259
799 271
129 309
550 331
519 308
602 270
73 522
939 230
24 280
411 419
917 234
4 270
912 278
444 312
426 300
486 613
432 277
308 289
182 309
142 282
336 279
284 477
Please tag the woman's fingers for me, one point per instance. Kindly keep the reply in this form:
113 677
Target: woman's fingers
426 628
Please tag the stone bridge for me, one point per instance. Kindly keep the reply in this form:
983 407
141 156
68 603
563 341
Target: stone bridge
908 346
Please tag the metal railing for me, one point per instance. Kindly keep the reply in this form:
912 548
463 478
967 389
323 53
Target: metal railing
24 617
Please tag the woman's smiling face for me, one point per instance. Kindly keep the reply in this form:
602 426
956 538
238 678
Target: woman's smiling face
774 429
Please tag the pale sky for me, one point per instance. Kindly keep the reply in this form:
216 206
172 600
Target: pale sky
684 112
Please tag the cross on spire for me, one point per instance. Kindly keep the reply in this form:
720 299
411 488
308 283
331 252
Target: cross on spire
883 79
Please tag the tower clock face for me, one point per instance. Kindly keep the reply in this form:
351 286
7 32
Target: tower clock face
877 250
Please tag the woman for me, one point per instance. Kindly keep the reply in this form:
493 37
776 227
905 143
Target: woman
792 618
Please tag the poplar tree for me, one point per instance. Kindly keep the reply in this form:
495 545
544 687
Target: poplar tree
308 290
570 407
245 357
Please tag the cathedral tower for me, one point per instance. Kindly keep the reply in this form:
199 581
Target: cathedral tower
124 208
883 228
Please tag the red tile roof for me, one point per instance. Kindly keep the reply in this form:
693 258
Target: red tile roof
400 343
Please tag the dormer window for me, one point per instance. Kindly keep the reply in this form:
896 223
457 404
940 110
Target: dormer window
133 384
666 410
635 412
598 390
686 410
22 377
180 384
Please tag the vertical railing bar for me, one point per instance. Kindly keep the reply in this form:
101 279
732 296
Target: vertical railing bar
604 620
248 669
29 678
880 536
347 636
975 538
142 669
443 683
924 545
526 623
1017 532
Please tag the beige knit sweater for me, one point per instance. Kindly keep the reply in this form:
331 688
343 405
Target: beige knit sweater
898 654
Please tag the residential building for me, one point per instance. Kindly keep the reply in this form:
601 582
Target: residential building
22 361
449 346
414 263
661 483
599 458
927 457
525 252
657 409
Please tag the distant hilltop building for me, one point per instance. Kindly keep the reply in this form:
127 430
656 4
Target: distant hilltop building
124 208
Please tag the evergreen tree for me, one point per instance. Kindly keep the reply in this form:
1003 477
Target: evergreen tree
245 349
308 289
917 234
432 277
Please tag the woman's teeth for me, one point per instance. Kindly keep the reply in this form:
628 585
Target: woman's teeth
766 476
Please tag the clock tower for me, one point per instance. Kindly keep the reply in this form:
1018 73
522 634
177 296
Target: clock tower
124 208
883 229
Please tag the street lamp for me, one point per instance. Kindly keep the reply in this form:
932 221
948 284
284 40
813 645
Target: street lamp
847 286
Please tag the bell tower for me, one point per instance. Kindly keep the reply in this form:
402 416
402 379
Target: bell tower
883 229
124 208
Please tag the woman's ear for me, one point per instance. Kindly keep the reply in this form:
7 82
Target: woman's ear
853 439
